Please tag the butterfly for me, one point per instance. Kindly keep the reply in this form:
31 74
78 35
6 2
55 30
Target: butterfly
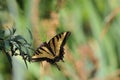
53 51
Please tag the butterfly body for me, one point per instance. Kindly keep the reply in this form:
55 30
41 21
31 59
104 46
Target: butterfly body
53 51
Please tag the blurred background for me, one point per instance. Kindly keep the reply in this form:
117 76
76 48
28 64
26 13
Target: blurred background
92 51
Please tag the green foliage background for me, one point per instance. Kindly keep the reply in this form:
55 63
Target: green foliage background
92 51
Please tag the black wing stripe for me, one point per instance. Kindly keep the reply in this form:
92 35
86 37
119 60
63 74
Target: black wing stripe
50 49
38 51
60 35
67 34
57 37
53 42
54 47
44 50
43 59
46 46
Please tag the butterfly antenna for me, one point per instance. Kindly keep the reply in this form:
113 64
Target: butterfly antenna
57 66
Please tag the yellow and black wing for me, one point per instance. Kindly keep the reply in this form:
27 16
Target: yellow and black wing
42 53
52 51
57 45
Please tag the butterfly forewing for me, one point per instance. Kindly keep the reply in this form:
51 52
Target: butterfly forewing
42 53
57 42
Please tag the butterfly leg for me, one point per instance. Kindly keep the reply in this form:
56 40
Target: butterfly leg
62 60
57 66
